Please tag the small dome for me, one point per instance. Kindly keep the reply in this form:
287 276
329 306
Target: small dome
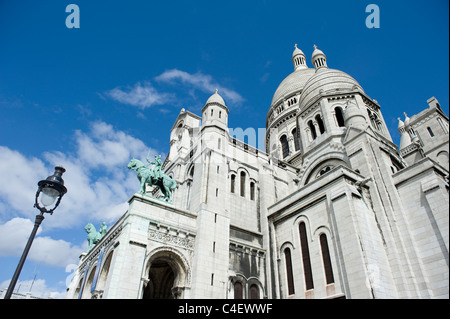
299 59
316 52
324 82
215 98
297 51
319 59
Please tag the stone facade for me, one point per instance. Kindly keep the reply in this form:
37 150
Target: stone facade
332 209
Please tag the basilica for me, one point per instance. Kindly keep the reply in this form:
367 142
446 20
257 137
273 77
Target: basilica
331 209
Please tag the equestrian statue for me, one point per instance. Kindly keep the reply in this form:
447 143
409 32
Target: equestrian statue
153 176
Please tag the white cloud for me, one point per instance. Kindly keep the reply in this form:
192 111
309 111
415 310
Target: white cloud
106 147
203 82
14 235
146 95
141 95
98 182
19 176
97 178
38 288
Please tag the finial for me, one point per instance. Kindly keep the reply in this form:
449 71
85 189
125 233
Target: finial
216 91
295 45
407 120
315 47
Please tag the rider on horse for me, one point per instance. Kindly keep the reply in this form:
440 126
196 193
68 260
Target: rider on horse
157 170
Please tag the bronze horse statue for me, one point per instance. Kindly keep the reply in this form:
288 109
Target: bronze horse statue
153 177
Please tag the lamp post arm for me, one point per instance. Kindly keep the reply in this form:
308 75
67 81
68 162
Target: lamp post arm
12 284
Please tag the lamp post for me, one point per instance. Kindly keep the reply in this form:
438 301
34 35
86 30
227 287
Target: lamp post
50 191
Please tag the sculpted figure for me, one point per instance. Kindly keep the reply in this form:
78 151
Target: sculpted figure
93 236
157 169
154 177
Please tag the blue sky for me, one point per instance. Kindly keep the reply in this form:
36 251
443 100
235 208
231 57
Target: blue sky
92 98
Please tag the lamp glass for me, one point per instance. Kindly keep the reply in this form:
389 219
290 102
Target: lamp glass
49 196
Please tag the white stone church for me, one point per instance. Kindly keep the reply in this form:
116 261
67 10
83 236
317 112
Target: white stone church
332 209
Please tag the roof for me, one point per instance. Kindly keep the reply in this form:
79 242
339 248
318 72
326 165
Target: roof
294 82
326 81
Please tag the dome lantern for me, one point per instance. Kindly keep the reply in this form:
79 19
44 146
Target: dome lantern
215 110
299 59
319 59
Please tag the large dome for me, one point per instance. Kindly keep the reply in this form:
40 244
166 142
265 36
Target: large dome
326 81
293 83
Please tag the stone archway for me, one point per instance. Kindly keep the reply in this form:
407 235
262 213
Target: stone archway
167 276
161 281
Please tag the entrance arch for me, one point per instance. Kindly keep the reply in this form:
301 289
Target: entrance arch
161 279
167 275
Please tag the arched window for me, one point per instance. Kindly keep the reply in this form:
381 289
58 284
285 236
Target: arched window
284 146
326 259
238 290
254 291
242 184
312 129
212 112
324 170
252 190
339 116
189 187
320 123
430 131
376 123
296 141
289 273
305 256
233 182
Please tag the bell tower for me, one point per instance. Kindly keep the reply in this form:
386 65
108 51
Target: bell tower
215 112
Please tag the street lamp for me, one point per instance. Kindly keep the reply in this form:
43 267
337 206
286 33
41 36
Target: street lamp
50 191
